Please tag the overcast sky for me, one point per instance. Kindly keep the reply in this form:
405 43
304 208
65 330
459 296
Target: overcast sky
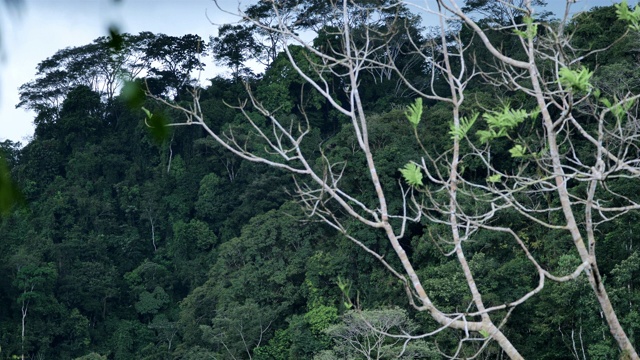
42 27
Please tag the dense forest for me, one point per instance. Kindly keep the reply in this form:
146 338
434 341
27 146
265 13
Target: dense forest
126 235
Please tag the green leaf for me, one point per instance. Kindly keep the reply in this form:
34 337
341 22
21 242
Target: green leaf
577 80
622 10
344 285
412 174
345 288
414 112
461 131
486 135
133 94
628 104
632 17
506 118
484 333
147 112
617 108
534 113
494 178
531 29
116 41
517 151
157 125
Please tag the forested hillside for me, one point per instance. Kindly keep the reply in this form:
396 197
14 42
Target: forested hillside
388 180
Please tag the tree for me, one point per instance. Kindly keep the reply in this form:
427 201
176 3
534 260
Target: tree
233 46
550 161
172 59
166 61
501 13
34 283
370 333
94 65
255 282
9 192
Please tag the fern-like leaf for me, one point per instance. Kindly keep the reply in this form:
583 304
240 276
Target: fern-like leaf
577 80
494 178
461 131
632 17
517 151
414 112
412 174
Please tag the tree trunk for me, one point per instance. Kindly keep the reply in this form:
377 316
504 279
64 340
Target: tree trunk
628 351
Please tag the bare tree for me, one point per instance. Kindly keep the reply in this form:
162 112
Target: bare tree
366 334
538 188
562 95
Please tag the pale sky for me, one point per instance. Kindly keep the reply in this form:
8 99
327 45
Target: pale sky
43 27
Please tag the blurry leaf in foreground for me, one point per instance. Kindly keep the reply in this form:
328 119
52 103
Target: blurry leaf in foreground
10 195
133 94
157 125
13 10
116 41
